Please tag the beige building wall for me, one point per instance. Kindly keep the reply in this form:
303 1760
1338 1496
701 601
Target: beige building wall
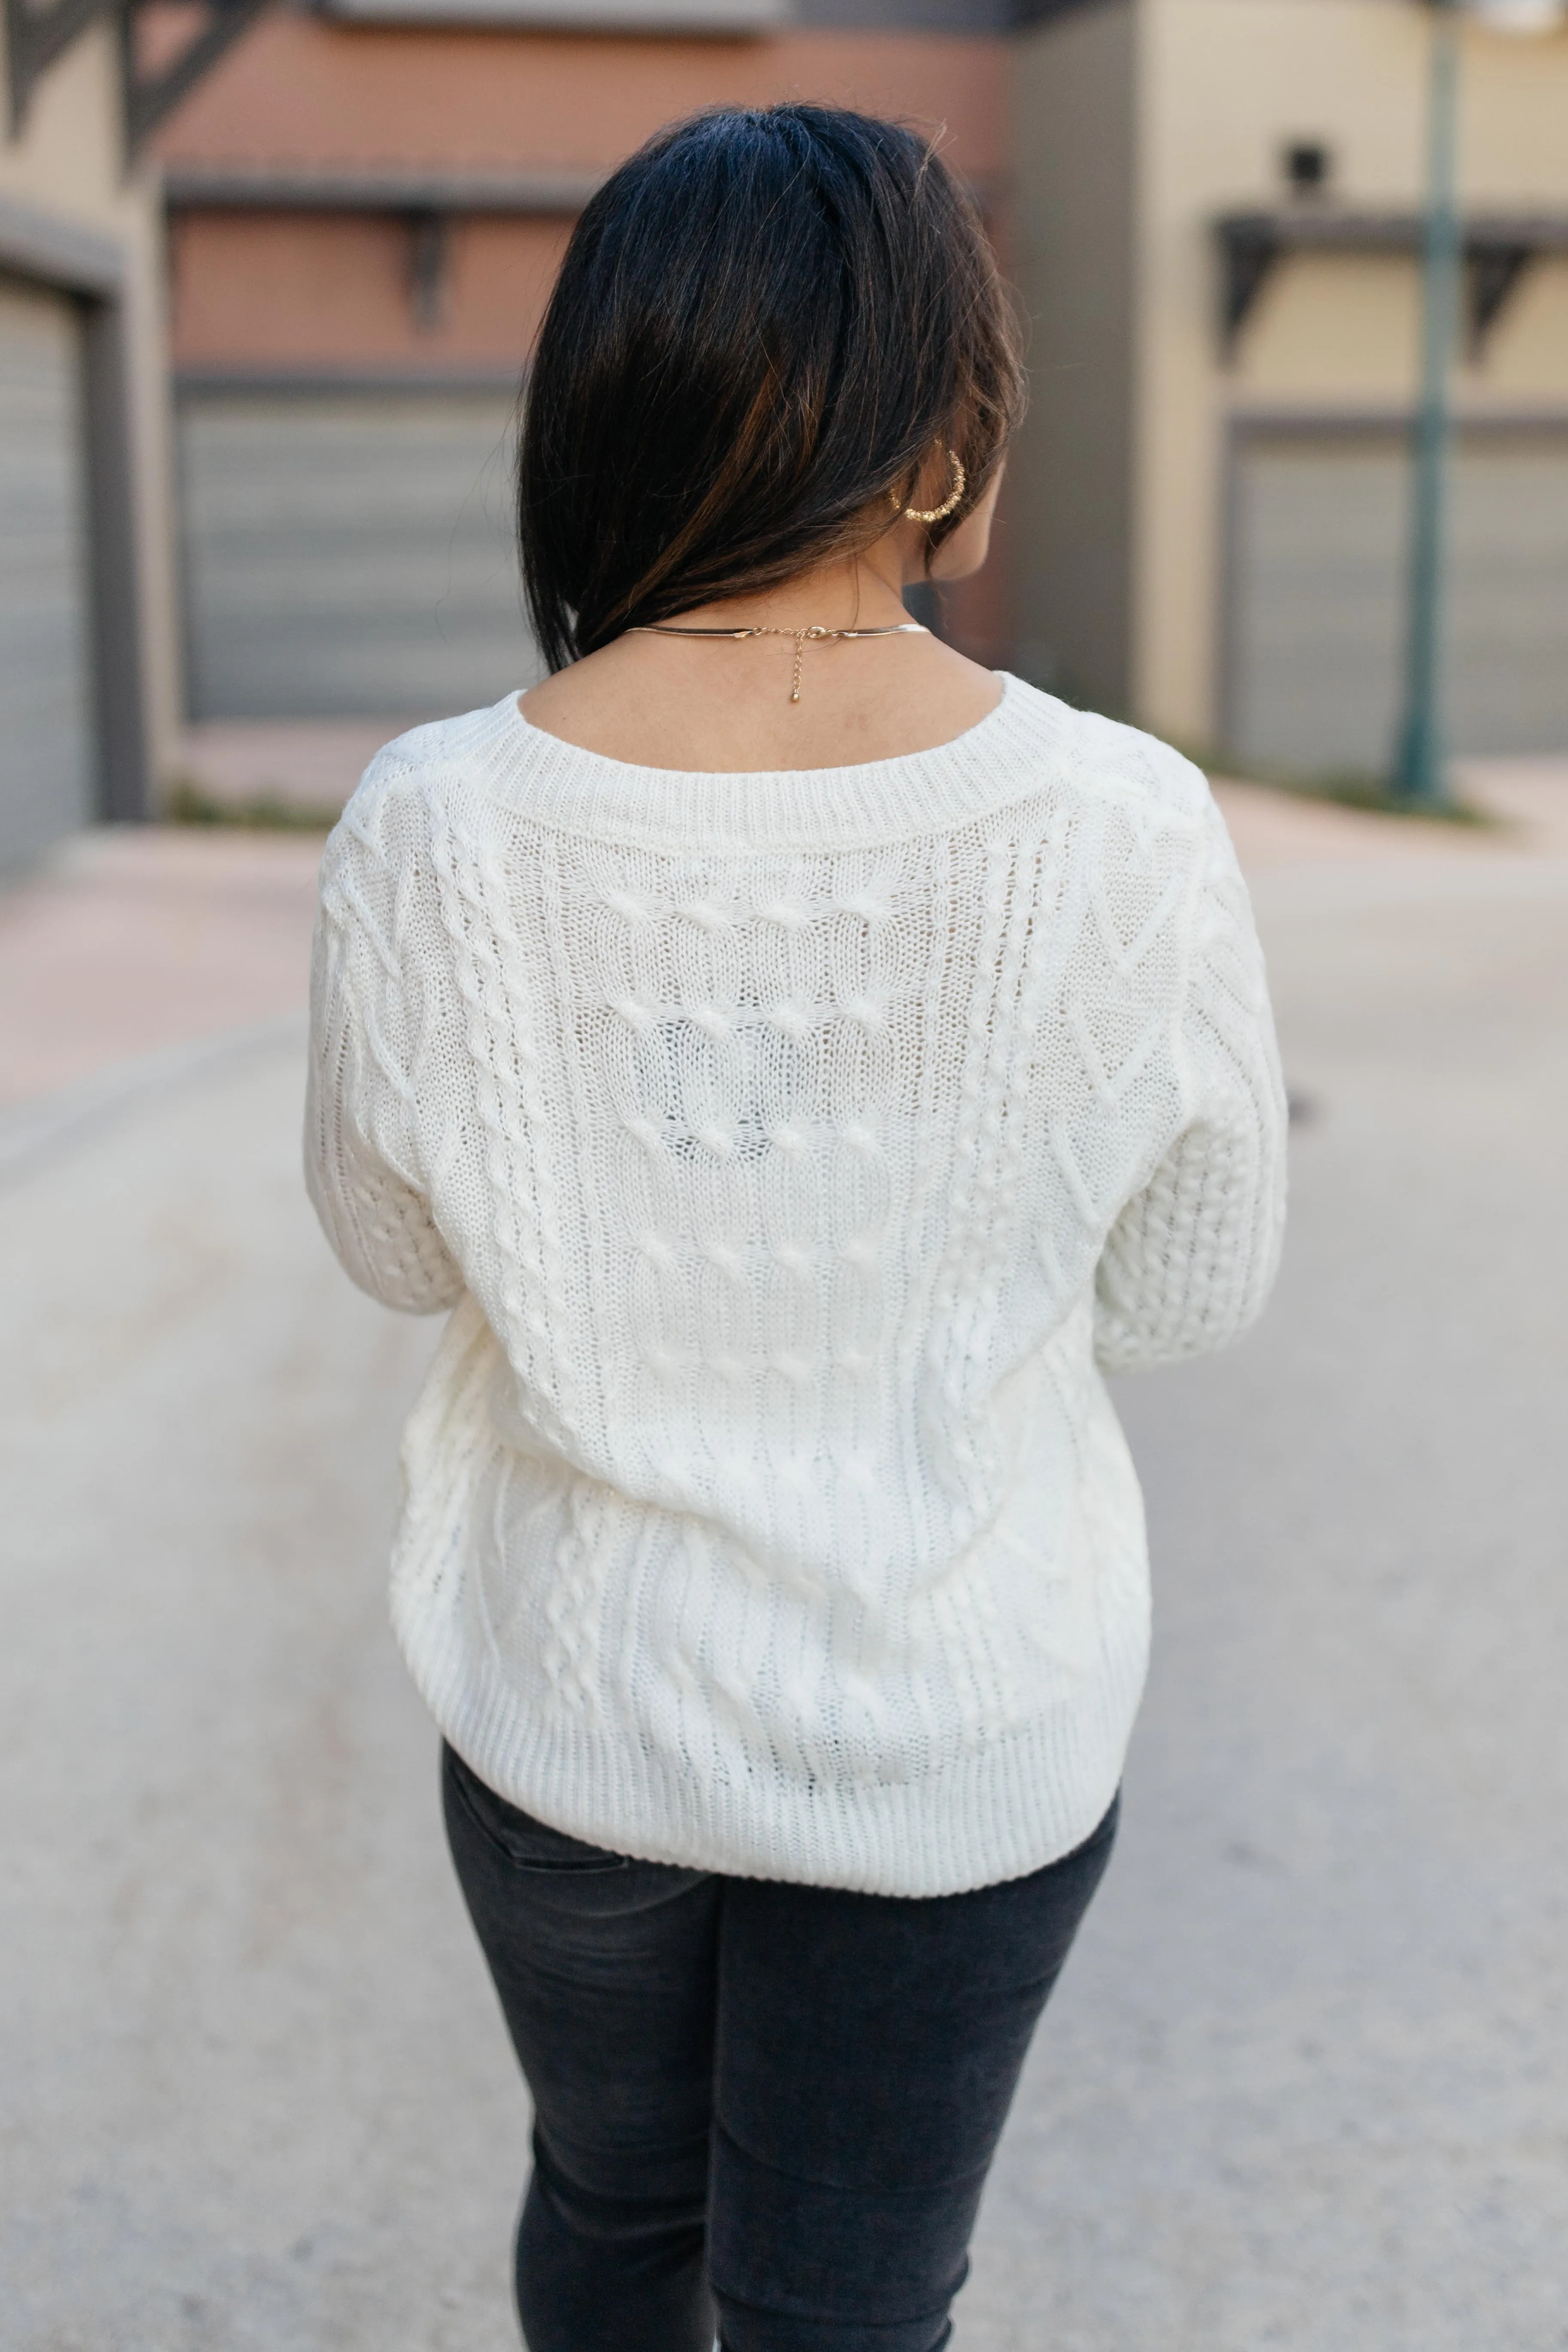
1071 491
1223 85
1140 121
66 166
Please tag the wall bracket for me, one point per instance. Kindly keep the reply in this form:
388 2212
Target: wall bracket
1498 249
37 31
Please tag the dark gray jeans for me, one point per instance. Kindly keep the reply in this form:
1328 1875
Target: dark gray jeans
762 2110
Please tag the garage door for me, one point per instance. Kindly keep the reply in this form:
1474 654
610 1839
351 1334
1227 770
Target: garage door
349 555
47 785
1317 597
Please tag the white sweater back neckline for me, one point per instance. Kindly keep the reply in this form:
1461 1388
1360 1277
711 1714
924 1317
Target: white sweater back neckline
853 805
844 770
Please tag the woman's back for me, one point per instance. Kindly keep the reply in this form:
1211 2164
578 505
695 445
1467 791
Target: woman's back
772 1127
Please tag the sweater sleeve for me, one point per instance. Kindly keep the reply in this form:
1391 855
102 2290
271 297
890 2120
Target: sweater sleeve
360 1162
1190 1259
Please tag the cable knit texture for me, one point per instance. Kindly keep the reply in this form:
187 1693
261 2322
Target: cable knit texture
795 1150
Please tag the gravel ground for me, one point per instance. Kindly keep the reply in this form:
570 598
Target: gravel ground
1304 2085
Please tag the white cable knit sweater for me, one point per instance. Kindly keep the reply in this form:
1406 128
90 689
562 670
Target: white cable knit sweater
795 1149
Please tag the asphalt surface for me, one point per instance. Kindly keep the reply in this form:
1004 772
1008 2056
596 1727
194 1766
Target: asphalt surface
1305 2081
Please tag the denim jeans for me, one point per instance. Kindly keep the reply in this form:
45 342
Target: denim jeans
762 2111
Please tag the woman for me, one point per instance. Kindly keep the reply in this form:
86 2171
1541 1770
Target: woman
802 1060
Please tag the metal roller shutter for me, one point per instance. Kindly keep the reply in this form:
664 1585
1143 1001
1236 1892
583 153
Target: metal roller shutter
46 762
1316 590
348 554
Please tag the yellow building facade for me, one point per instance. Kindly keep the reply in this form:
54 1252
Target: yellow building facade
1218 219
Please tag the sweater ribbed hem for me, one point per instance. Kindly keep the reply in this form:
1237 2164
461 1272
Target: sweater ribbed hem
1018 1802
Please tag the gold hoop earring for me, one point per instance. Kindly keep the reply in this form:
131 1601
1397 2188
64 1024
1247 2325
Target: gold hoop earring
941 513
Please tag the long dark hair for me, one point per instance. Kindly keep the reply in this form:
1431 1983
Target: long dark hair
765 321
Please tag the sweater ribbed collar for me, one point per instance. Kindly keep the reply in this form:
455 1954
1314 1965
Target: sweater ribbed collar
562 786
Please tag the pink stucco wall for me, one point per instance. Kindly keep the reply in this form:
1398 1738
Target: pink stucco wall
322 291
302 93
303 89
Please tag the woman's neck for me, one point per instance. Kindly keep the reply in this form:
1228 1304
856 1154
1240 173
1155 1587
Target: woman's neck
699 702
859 591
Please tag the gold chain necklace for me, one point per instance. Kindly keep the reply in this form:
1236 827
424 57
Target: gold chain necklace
671 629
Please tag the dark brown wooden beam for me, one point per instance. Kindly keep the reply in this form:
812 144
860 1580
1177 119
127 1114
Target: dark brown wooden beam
149 96
36 33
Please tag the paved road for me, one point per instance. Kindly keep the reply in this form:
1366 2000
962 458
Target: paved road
1304 2085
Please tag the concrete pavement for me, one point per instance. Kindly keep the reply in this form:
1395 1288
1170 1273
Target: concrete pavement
1303 2085
142 942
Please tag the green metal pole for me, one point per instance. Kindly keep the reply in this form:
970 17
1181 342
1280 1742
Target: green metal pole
1420 773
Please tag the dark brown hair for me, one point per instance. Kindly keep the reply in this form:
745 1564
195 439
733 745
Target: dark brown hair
767 320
